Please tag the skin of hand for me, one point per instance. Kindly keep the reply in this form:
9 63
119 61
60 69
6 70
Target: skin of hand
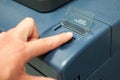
20 44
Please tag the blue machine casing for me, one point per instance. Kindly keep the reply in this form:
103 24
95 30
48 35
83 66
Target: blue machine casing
82 55
95 56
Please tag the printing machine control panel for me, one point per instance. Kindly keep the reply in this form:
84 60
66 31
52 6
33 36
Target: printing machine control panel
71 58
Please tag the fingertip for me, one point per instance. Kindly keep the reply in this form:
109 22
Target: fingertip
29 18
69 34
48 78
66 36
26 21
43 78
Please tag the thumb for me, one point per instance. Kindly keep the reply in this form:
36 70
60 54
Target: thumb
26 29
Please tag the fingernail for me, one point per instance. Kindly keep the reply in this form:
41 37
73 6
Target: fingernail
70 34
29 18
52 79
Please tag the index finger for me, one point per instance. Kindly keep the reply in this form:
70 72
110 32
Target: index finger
41 46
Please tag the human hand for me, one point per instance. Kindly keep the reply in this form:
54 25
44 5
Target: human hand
20 44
